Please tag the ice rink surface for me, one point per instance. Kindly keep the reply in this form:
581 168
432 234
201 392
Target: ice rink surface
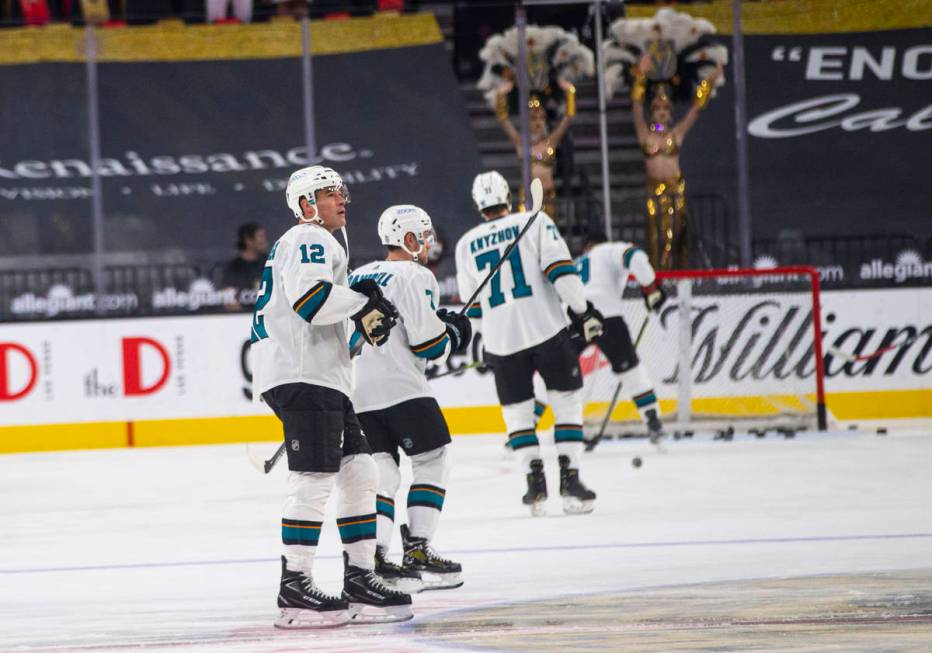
818 543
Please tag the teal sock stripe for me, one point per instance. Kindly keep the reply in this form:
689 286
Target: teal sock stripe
646 399
427 496
295 531
359 527
523 439
385 507
539 408
567 433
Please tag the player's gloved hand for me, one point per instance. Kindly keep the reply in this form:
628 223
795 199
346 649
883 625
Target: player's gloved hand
377 317
458 327
588 324
654 296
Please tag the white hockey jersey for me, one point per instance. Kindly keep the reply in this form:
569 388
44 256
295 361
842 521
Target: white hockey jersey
604 270
394 372
299 327
520 306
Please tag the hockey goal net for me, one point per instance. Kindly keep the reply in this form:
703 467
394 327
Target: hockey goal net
731 350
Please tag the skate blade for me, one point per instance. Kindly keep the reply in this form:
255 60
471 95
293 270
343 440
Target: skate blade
296 619
657 440
574 506
406 585
538 508
448 581
363 613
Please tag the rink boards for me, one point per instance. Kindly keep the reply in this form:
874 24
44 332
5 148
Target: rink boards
173 381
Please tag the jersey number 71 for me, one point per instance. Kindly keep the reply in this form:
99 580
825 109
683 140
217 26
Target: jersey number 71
489 260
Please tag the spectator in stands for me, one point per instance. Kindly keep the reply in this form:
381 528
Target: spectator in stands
217 10
245 270
661 141
544 142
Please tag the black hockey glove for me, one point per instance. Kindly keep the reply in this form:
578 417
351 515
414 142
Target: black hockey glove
654 296
588 324
377 317
458 327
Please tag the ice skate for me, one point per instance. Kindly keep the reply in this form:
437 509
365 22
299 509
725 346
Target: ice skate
655 432
577 498
536 496
437 573
304 605
370 600
396 576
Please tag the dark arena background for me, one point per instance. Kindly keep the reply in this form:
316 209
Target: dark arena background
145 143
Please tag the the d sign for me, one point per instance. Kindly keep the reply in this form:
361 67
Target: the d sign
9 350
132 366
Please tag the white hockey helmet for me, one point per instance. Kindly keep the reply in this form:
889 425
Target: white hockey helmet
399 220
305 183
490 189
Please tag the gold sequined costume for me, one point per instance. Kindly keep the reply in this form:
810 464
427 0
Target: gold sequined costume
667 233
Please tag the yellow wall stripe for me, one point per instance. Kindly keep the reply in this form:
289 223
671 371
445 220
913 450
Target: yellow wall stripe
894 404
172 40
807 16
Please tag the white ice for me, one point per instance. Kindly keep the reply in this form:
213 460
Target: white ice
176 549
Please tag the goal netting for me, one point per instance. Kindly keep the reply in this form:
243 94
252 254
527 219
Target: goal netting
731 349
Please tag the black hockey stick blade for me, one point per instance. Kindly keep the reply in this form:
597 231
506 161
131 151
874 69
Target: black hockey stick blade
264 466
459 370
537 202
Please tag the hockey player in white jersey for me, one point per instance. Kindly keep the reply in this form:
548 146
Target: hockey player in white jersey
524 329
396 406
302 369
604 268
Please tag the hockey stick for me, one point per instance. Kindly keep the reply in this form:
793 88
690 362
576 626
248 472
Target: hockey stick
264 465
460 370
537 202
853 358
594 441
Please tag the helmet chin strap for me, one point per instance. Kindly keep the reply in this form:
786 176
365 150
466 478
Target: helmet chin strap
414 255
314 220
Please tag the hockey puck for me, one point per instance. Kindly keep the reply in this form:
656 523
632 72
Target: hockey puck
636 461
882 430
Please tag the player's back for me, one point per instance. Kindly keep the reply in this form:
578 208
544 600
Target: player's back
605 270
394 372
519 306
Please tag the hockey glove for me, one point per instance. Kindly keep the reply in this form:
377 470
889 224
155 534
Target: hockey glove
377 317
588 324
654 296
458 327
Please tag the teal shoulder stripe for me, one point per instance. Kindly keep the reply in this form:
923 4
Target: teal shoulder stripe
627 256
312 301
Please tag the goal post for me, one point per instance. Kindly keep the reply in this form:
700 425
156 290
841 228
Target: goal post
731 348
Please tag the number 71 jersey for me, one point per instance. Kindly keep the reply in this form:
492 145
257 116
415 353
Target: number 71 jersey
519 307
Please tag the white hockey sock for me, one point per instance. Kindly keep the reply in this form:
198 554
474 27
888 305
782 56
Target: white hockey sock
389 480
303 516
519 420
357 481
428 490
638 386
567 429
